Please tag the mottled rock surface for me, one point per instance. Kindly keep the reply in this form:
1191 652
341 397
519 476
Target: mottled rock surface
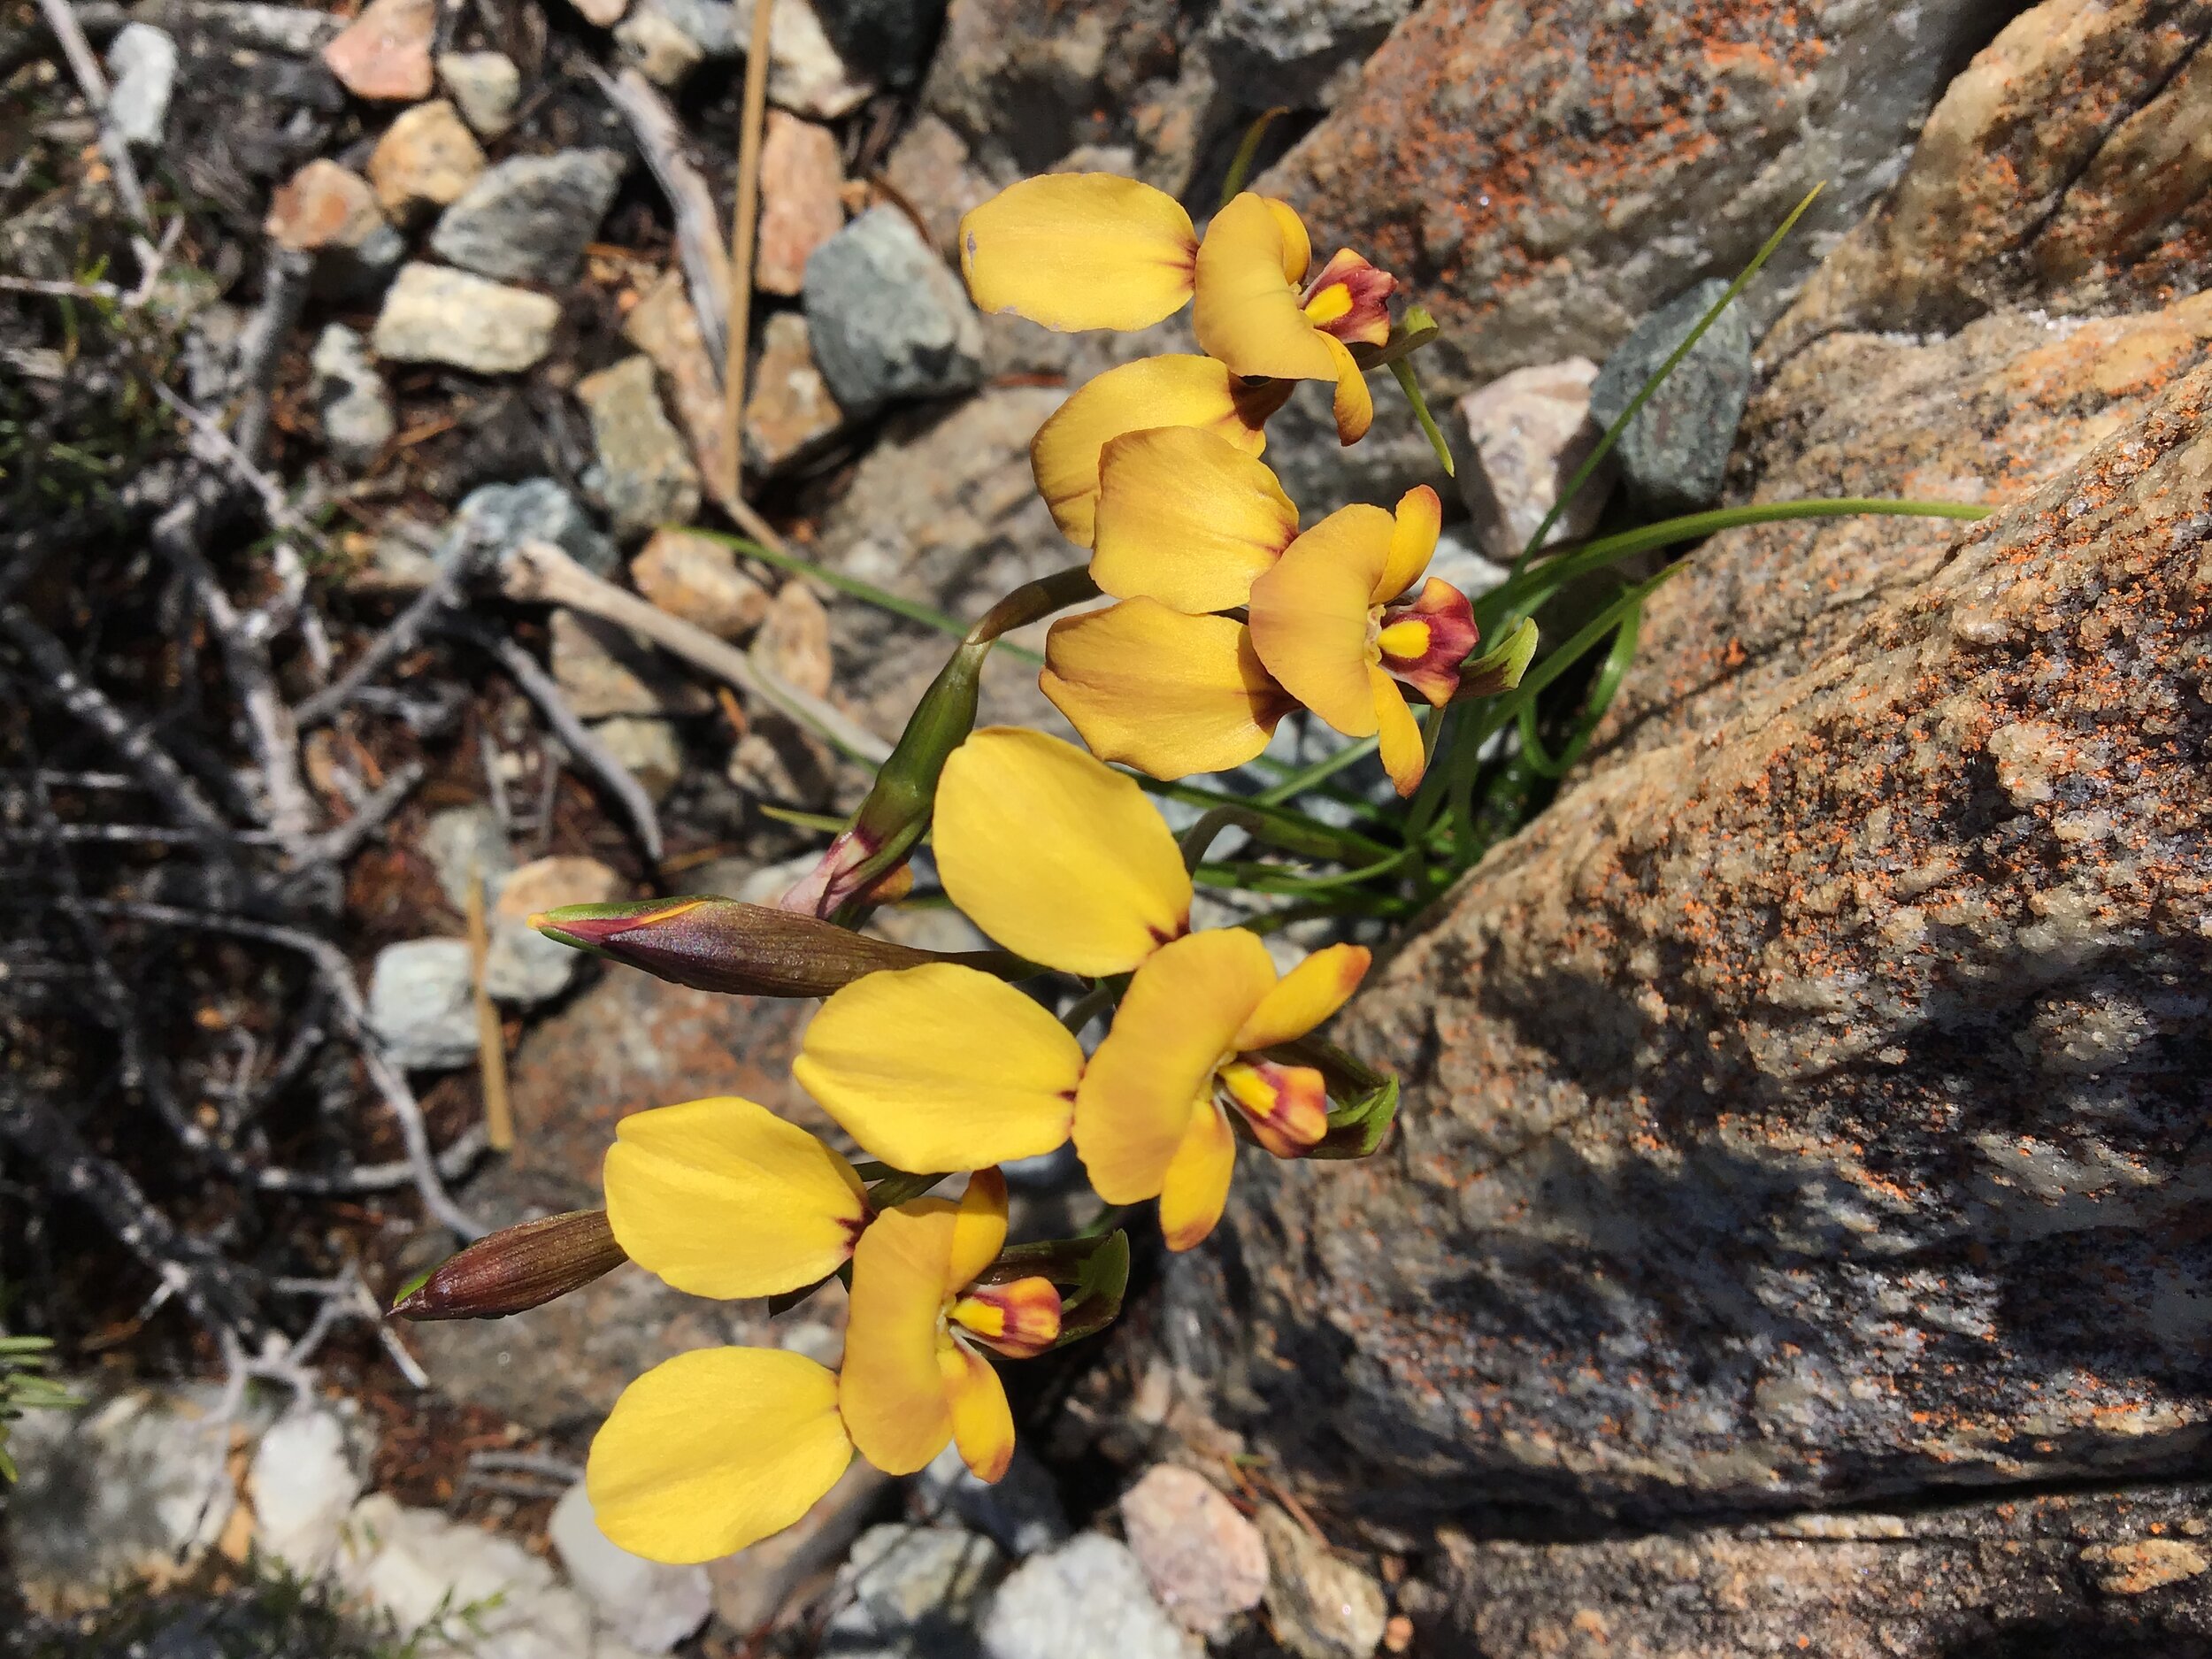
2033 1577
1545 172
2068 165
1808 1109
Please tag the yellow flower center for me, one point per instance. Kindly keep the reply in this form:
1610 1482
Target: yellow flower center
1405 641
1332 302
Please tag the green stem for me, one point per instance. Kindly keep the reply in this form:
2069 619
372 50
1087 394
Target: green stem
1241 164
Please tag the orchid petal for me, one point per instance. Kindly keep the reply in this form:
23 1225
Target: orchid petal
1076 250
1168 693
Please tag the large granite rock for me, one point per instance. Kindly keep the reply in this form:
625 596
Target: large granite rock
1807 1109
1544 172
2067 165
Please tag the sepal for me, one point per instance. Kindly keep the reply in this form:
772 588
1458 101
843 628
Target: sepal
515 1269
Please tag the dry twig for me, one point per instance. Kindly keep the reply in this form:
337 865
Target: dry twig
743 220
698 231
491 1042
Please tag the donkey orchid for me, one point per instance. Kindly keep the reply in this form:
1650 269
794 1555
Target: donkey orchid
1094 250
1062 860
716 1450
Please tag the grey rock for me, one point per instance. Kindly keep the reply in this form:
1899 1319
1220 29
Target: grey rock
1819 1076
485 87
1673 457
1287 51
351 397
1321 1605
463 843
1020 1512
127 1488
421 1004
752 1586
645 475
911 1592
142 59
888 40
886 317
1086 1600
2001 1577
496 518
304 1477
527 219
449 1587
649 1605
525 968
294 31
435 315
805 73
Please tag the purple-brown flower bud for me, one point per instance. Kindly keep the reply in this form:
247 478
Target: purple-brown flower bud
515 1269
713 944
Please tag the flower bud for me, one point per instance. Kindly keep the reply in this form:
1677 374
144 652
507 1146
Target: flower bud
714 944
515 1269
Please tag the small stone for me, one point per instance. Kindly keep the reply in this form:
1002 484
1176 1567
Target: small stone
887 319
142 59
805 73
522 965
665 328
323 206
645 475
696 578
350 396
662 52
1324 1607
126 1489
1021 1511
1205 1562
802 177
301 1483
914 1592
465 1589
427 156
796 639
647 748
603 14
499 518
755 1585
463 844
485 87
1674 454
649 1605
789 412
1086 1599
1529 431
930 167
421 1004
385 52
433 315
606 670
527 219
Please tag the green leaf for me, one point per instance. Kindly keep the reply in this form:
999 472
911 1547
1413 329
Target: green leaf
1358 1128
1247 148
1099 1293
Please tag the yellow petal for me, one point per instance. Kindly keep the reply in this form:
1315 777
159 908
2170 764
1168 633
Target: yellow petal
979 1227
1310 615
1297 246
1414 528
1188 519
1354 405
1080 250
1174 1024
1248 311
941 1067
892 1394
714 1450
723 1198
1402 756
1305 996
1196 1188
983 1423
1057 856
1169 391
1167 693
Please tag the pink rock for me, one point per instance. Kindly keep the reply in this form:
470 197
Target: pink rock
322 206
801 177
385 52
1204 1560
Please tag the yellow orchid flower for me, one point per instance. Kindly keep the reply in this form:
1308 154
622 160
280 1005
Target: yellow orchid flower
1324 624
1185 525
1061 859
1081 251
716 1450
